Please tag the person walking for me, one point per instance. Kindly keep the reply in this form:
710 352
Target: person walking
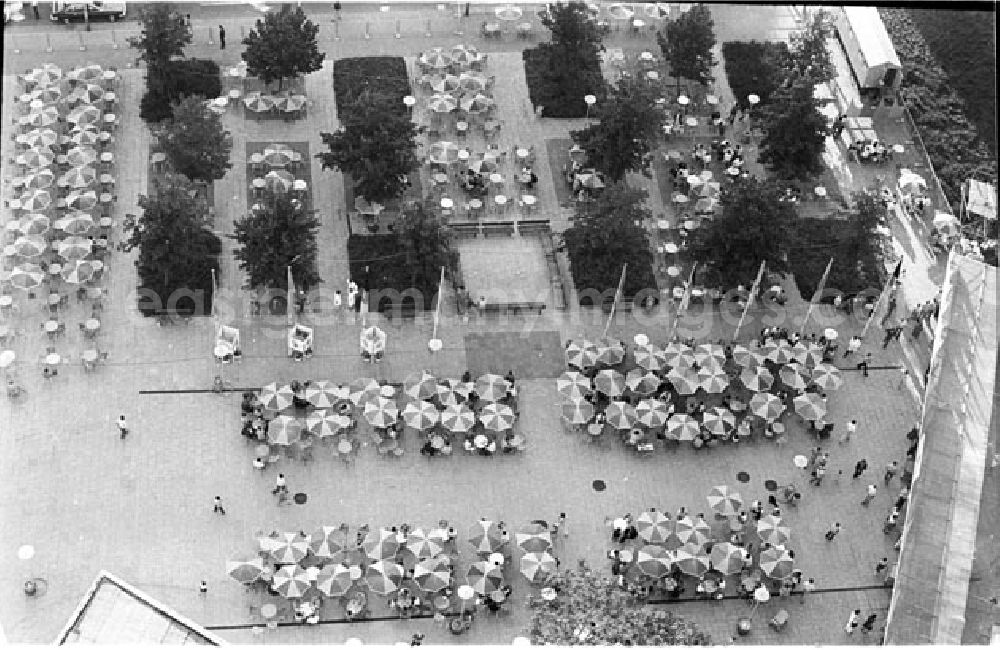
890 471
34 8
222 37
258 463
869 495
881 565
217 506
891 334
853 345
904 494
859 468
817 475
203 588
890 521
280 488
561 524
122 427
833 532
849 431
863 364
814 456
853 621
869 623
808 587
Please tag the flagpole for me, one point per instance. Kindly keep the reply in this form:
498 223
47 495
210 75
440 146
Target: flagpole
614 305
290 298
685 299
878 303
753 292
816 296
437 313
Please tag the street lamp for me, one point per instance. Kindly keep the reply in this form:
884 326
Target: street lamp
589 100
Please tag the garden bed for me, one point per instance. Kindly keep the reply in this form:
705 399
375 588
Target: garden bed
816 241
557 85
379 75
380 263
752 69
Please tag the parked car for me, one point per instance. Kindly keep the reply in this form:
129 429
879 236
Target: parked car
95 9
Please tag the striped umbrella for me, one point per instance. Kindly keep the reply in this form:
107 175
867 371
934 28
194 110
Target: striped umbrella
45 116
726 558
800 353
284 430
276 398
476 104
724 500
258 102
620 415
827 376
497 417
718 421
40 180
436 58
810 406
85 138
279 181
420 545
440 103
34 224
458 418
334 580
278 154
778 351
445 84
360 391
767 406
27 276
487 164
581 355
610 352
30 245
463 54
322 424
41 138
47 94
747 357
713 378
678 355
77 271
289 103
431 576
683 426
485 537
420 415
85 114
75 248
652 412
90 72
291 581
692 560
381 544
776 562
324 394
578 411
692 531
757 378
773 530
653 561
383 577
573 385
794 376
536 567
76 223
288 548
46 75
653 526
36 200
420 385
381 412
36 158
484 577
534 538
491 387
81 200
610 382
446 395
327 541
443 152
472 82
87 93
686 381
245 570
707 351
649 357
814 354
642 382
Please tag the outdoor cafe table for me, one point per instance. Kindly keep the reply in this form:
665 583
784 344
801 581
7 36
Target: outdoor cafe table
670 247
268 610
625 555
52 359
51 326
522 153
437 442
354 571
55 298
7 358
345 447
710 586
356 604
89 356
441 602
91 325
595 429
481 441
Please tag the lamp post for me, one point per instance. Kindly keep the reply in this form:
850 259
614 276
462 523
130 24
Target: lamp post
589 100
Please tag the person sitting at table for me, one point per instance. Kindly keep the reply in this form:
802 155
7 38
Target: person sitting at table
527 178
508 443
428 449
468 445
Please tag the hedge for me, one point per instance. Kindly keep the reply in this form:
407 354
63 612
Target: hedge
382 75
752 69
388 267
180 78
816 241
559 86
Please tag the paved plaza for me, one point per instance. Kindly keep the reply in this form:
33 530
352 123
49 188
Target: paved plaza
141 508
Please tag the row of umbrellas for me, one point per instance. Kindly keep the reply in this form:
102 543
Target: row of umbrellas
469 82
444 152
49 73
439 58
586 354
691 559
30 276
46 115
473 103
259 102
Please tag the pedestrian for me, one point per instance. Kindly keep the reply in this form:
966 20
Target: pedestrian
187 21
853 621
336 10
338 300
417 639
863 364
890 309
891 334
217 507
280 488
808 587
890 471
34 8
849 431
757 510
904 494
817 476
258 463
203 588
869 623
814 455
122 427
561 524
881 565
890 521
222 37
833 532
853 345
869 494
859 468
823 459
913 435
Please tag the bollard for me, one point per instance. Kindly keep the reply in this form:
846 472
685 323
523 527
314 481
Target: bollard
210 36
243 33
336 31
114 40
398 35
48 44
83 46
368 33
17 50
427 32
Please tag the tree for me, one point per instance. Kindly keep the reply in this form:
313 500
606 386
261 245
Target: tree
275 238
424 237
164 35
282 46
687 42
195 142
376 146
176 80
796 133
754 226
572 29
628 126
177 249
605 236
808 56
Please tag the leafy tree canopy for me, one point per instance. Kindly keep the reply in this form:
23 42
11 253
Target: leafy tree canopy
275 238
753 226
808 56
165 86
195 142
628 126
796 133
282 46
426 240
687 42
572 29
164 34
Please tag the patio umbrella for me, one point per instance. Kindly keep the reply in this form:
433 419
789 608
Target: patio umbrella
810 406
484 577
81 200
577 411
536 567
692 560
458 418
245 570
36 158
45 75
707 351
327 541
258 102
41 138
279 180
446 395
686 381
827 376
725 500
422 546
497 417
289 548
87 93
678 355
485 537
620 415
47 94
794 376
757 378
642 382
443 153
478 103
442 103
772 530
431 575
590 180
278 155
420 415
658 11
573 385
79 177
471 82
381 544
284 430
324 394
620 12
719 421
85 138
534 538
436 58
910 183
726 558
778 351
76 223
767 406
652 412
713 378
746 357
653 561
692 531
80 156
653 526
360 391
334 580
484 165
30 245
383 578
291 581
649 357
508 12
381 412
46 116
77 271
683 426
322 424
27 276
420 385
492 387
581 355
40 180
276 398
36 200
776 562
445 84
75 248
799 353
289 103
86 114
88 72
610 382
34 224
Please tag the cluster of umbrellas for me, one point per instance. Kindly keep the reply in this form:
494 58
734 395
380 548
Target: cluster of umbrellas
465 89
279 180
258 102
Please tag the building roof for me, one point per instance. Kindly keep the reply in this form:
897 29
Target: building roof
876 46
931 592
116 613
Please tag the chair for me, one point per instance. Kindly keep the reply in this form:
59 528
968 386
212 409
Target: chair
780 620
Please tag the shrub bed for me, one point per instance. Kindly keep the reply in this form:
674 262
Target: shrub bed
178 79
381 75
752 69
558 82
816 241
388 267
